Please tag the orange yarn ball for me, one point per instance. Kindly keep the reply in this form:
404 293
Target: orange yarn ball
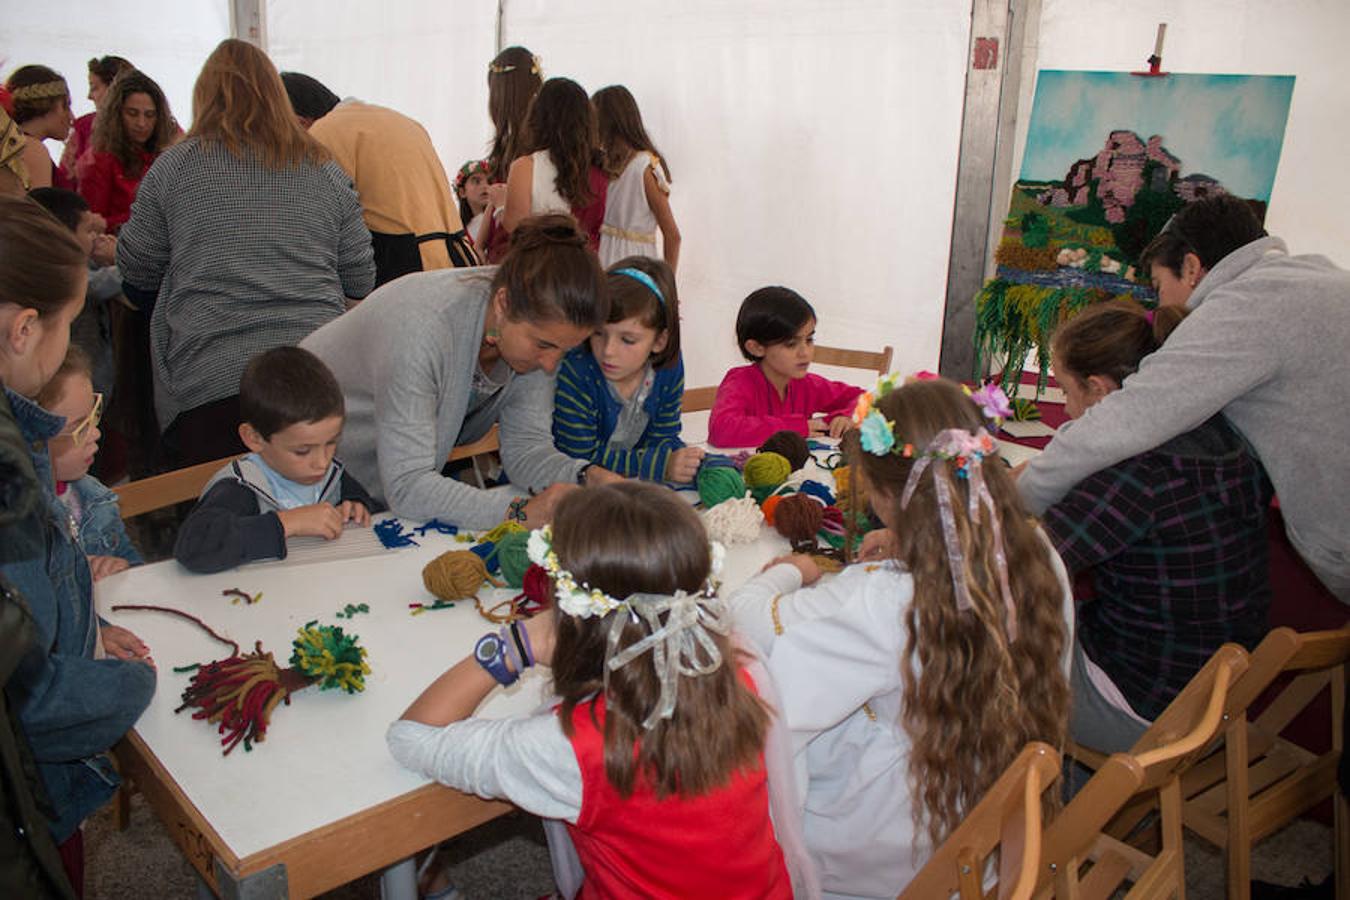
769 505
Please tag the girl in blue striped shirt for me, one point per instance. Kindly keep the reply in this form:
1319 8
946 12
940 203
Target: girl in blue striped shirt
618 396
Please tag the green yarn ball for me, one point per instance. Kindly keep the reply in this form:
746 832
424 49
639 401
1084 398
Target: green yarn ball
513 557
719 483
767 470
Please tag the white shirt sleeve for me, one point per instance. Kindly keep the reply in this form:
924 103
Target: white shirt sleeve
528 761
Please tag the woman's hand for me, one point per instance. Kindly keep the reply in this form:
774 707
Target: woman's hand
122 644
806 565
103 566
539 511
881 543
682 465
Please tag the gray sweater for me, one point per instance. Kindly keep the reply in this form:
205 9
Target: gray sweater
1267 345
405 359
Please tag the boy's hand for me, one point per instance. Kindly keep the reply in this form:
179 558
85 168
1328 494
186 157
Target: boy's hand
103 566
805 564
682 465
840 424
122 644
318 519
354 511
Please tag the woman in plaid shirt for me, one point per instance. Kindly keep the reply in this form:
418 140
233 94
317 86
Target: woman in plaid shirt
1175 539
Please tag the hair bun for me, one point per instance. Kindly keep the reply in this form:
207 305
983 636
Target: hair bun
553 228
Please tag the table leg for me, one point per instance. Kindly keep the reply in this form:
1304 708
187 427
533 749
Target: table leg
399 881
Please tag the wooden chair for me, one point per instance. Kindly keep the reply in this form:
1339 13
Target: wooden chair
1008 818
159 491
478 451
1256 781
876 361
1084 834
698 399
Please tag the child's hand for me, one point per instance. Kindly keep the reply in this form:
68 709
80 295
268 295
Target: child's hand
682 465
881 543
840 424
318 519
103 566
817 427
539 511
543 630
805 564
122 644
354 511
497 195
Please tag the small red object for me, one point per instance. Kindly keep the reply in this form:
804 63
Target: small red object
986 53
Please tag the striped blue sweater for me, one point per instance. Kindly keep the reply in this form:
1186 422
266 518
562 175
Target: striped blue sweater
585 413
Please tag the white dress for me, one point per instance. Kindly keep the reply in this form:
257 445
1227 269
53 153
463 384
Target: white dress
630 225
544 196
837 668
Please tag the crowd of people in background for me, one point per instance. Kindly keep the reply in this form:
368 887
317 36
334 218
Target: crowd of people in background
297 287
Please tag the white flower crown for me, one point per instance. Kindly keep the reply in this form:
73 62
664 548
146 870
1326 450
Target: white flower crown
581 600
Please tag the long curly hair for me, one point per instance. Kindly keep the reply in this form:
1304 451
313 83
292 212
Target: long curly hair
562 121
628 538
971 698
110 134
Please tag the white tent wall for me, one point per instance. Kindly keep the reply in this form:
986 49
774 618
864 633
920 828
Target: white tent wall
1305 38
167 41
426 58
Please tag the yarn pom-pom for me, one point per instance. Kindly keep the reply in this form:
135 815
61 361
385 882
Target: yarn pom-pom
719 484
513 558
335 659
766 470
798 517
735 521
455 574
790 445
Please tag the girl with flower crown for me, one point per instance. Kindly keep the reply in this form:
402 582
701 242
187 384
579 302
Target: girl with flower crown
910 682
655 756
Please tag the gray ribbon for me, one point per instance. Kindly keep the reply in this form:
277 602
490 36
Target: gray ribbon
679 646
979 496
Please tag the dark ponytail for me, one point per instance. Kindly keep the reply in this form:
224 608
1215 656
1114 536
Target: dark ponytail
550 275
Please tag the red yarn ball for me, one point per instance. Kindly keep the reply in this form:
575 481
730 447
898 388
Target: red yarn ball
536 590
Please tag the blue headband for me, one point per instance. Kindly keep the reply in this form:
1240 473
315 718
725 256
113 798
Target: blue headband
642 278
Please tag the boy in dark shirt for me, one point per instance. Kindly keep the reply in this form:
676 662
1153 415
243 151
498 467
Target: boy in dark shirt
290 484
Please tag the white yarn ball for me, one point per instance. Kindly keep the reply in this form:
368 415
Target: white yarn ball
735 521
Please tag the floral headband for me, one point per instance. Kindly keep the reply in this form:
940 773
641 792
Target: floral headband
968 450
469 169
680 645
43 91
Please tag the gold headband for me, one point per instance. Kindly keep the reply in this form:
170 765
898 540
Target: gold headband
44 91
499 69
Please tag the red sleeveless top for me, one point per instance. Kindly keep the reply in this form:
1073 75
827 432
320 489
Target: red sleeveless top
720 844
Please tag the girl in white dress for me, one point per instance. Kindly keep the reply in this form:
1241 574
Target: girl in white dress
911 681
639 196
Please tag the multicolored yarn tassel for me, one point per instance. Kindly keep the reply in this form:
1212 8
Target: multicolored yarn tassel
324 653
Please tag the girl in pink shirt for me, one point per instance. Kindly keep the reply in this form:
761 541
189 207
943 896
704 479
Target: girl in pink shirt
776 331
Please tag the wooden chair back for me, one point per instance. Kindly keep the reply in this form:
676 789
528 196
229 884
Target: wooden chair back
1084 835
697 399
477 451
1256 781
158 491
1008 818
878 361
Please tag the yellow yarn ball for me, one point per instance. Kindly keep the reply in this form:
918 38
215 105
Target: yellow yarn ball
455 574
766 470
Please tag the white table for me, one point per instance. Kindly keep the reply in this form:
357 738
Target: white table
320 802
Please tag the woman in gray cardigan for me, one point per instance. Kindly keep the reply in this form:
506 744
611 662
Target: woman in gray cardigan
432 360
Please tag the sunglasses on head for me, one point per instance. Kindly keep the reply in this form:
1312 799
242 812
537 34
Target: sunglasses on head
80 433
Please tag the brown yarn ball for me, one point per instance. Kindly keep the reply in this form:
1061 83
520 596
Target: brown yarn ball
790 445
797 518
455 574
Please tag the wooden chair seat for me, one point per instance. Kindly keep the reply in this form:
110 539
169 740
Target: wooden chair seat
1007 818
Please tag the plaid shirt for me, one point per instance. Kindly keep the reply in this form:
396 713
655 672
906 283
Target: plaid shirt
1177 545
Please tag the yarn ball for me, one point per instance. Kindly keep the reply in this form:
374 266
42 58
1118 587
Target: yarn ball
512 557
768 506
790 445
798 517
817 490
719 484
455 574
536 588
766 470
734 521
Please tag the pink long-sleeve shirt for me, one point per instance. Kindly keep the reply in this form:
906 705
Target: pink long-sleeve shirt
747 409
